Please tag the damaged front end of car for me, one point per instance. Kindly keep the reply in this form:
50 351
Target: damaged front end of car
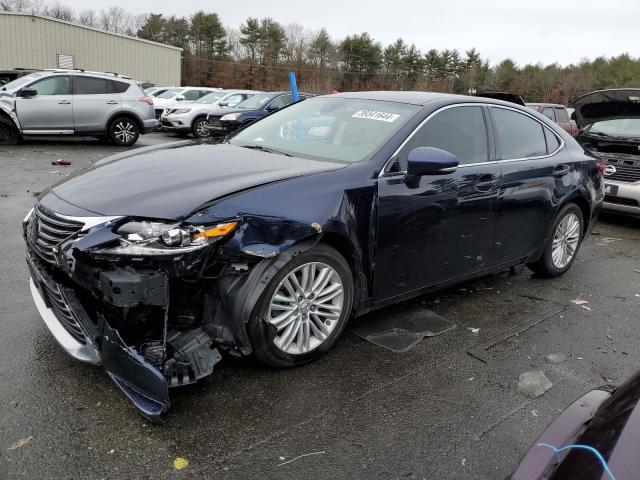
157 303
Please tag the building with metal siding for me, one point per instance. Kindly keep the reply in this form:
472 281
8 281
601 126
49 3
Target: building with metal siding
33 41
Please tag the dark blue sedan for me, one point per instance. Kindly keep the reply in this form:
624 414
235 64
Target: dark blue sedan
158 263
249 111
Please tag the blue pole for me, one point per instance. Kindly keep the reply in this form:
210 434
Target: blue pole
294 86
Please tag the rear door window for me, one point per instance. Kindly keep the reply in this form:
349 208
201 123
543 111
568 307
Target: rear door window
90 86
459 130
518 135
552 141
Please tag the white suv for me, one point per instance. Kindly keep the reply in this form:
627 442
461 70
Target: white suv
75 102
179 94
191 117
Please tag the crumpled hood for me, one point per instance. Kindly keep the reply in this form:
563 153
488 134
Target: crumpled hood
606 105
172 182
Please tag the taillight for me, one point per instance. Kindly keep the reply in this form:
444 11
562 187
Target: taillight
146 100
602 166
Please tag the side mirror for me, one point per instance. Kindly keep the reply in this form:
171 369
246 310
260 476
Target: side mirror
27 92
428 161
223 104
179 98
272 108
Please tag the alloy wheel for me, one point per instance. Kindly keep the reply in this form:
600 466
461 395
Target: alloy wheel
124 131
201 129
565 241
306 307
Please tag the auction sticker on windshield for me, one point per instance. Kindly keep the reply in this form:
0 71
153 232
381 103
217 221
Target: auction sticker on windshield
373 115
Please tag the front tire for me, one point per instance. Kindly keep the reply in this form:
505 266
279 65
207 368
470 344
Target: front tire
562 246
9 134
124 131
303 311
199 128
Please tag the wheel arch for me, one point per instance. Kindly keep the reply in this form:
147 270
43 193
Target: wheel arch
8 115
345 248
126 114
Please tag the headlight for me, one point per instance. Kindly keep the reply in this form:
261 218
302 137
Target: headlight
230 117
181 110
140 237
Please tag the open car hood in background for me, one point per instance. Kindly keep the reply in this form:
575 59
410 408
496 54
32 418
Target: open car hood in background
606 105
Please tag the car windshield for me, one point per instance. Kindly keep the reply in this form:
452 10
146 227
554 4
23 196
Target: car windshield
255 102
624 127
337 129
211 98
172 92
19 82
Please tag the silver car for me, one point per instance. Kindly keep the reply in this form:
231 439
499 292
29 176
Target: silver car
75 102
191 117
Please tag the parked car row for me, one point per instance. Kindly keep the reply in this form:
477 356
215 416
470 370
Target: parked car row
114 107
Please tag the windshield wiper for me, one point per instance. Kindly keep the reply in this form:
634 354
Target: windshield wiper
262 148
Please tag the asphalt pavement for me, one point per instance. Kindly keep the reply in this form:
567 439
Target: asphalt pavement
447 409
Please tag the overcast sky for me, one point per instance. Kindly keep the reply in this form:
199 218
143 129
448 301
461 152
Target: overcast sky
530 31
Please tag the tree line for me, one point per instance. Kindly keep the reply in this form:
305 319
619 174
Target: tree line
260 53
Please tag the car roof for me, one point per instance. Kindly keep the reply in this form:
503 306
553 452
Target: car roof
88 73
411 97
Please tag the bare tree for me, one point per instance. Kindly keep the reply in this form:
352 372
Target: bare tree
31 6
88 18
59 11
113 19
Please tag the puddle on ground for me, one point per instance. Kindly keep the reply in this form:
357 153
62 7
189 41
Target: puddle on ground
401 327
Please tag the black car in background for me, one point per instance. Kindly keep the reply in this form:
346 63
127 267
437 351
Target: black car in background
268 243
7 76
252 109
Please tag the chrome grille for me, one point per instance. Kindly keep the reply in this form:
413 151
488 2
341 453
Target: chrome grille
47 231
627 170
63 312
158 112
55 299
214 121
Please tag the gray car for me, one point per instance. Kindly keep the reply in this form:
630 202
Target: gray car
75 102
191 117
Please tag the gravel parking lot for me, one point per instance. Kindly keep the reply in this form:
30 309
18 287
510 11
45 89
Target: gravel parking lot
447 409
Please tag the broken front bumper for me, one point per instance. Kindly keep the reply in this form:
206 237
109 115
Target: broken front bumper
95 341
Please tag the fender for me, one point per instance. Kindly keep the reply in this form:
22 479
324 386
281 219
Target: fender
10 112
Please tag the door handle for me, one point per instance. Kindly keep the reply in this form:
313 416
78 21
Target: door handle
64 102
487 182
112 102
561 171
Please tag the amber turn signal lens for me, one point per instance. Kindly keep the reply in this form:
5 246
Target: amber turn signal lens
219 230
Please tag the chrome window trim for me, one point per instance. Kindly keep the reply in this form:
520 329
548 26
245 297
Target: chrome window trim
560 139
384 173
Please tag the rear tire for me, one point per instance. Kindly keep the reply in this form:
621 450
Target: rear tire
199 128
312 318
9 134
563 244
124 131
